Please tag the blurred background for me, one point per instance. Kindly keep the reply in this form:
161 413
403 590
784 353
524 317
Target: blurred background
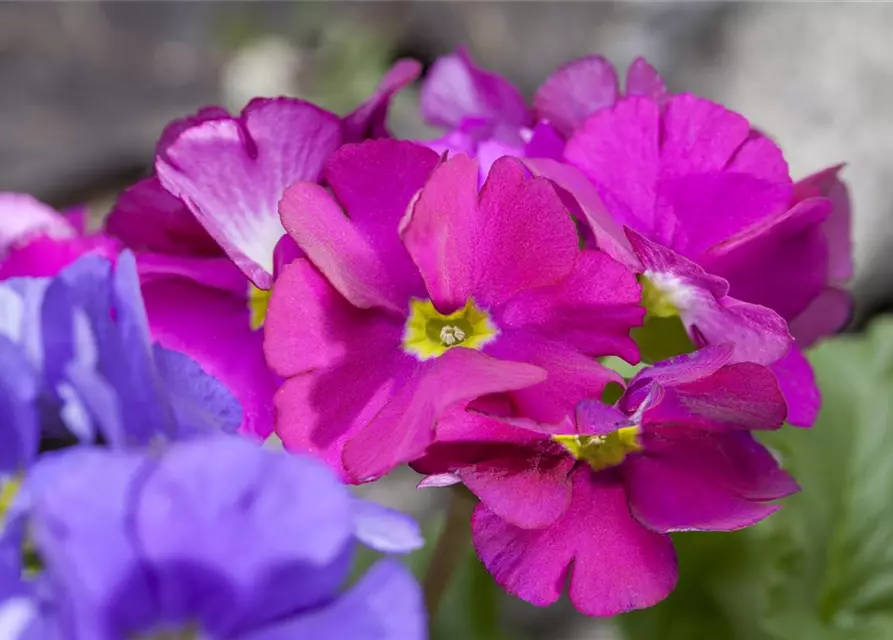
88 86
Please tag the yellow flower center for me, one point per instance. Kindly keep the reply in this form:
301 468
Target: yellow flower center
258 301
658 302
602 452
9 489
662 335
429 333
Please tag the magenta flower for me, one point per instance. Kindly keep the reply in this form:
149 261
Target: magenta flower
487 117
431 292
590 502
715 226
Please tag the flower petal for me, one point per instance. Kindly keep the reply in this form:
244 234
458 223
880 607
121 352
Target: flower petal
643 80
519 236
687 479
405 426
384 529
231 173
797 382
369 120
618 565
23 217
455 89
575 91
148 218
826 315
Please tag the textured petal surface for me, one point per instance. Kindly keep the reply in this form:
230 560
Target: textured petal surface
643 80
687 479
575 91
519 236
455 89
369 120
148 218
797 383
618 565
213 327
405 426
231 173
593 309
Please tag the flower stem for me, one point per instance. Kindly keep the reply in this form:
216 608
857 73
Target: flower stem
451 548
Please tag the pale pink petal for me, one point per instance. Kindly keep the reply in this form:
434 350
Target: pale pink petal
618 565
369 120
23 217
575 91
798 385
213 328
406 425
593 309
687 479
455 88
148 218
643 80
232 172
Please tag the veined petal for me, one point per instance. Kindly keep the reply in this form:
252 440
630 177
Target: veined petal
232 172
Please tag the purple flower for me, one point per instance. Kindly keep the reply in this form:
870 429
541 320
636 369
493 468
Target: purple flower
589 502
79 362
433 292
212 538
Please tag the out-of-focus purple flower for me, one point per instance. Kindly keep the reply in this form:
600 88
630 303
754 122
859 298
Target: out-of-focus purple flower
213 538
397 313
590 501
79 361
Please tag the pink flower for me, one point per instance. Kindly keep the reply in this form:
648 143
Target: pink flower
589 502
715 226
431 292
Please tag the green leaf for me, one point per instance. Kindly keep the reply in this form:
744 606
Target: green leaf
822 567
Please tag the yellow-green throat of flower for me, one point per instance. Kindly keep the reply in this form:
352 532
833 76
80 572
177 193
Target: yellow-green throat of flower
602 452
429 333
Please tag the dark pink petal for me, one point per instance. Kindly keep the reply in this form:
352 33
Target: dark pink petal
756 333
440 231
582 199
544 142
643 80
231 173
375 183
618 150
369 120
23 217
797 383
828 314
405 426
575 91
148 218
455 89
782 265
518 237
213 328
687 479
341 251
618 565
743 395
528 492
838 226
310 326
593 309
216 273
45 256
572 376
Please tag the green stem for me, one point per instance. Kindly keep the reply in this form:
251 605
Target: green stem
450 550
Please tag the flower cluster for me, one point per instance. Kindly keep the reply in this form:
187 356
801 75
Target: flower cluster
455 304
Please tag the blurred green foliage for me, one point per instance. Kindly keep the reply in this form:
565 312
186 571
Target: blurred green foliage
822 567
